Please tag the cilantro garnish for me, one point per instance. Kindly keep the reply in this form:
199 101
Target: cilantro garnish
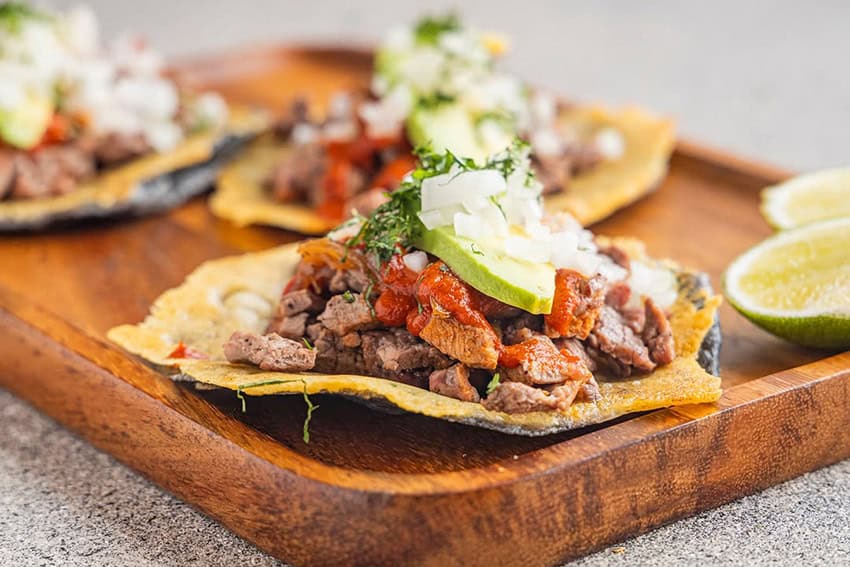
494 383
311 407
13 15
395 225
475 250
307 343
348 297
429 29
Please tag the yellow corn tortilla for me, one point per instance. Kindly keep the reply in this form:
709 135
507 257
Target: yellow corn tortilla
117 186
242 198
613 184
241 292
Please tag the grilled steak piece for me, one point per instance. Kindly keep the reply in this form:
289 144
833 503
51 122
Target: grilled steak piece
575 348
292 312
49 171
7 171
116 148
332 356
453 382
297 175
577 303
516 397
537 360
349 280
292 327
269 352
298 111
613 336
472 345
391 351
657 334
589 391
349 312
618 295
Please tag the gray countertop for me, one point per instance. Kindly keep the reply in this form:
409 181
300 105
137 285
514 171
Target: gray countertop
766 79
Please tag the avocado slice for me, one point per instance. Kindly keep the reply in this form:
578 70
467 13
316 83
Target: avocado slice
445 126
485 266
24 126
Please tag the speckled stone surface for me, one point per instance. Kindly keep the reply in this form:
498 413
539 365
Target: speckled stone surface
768 79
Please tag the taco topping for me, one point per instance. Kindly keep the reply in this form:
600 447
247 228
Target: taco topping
459 284
435 84
71 107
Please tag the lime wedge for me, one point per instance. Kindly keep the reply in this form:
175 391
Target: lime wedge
807 198
796 284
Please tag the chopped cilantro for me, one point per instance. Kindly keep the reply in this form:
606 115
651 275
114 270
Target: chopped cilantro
348 297
429 29
13 15
310 406
307 343
494 383
475 250
395 225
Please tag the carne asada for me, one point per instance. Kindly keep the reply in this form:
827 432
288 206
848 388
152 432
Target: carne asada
436 83
458 287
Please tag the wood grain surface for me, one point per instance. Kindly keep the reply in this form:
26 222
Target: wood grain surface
374 488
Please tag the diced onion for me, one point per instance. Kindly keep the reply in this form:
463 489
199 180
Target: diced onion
415 261
454 187
527 249
610 143
469 226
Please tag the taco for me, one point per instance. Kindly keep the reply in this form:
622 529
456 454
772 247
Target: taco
437 84
456 299
88 130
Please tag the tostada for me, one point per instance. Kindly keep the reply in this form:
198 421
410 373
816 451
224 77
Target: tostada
459 299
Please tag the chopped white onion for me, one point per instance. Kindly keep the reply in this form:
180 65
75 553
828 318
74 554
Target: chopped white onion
415 261
469 226
610 143
659 283
304 133
527 249
454 187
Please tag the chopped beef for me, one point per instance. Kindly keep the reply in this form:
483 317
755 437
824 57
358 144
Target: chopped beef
635 318
269 352
657 334
295 177
576 304
292 312
472 345
352 340
575 348
7 171
555 171
299 301
537 360
353 280
365 203
516 397
298 112
50 171
516 330
292 327
589 391
614 337
392 351
332 356
348 312
116 148
618 255
618 295
454 383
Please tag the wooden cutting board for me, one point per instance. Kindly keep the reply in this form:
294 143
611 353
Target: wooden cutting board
375 488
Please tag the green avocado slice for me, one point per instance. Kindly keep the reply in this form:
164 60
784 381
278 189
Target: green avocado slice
526 285
24 126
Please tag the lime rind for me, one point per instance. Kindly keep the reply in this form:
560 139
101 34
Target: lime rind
819 327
